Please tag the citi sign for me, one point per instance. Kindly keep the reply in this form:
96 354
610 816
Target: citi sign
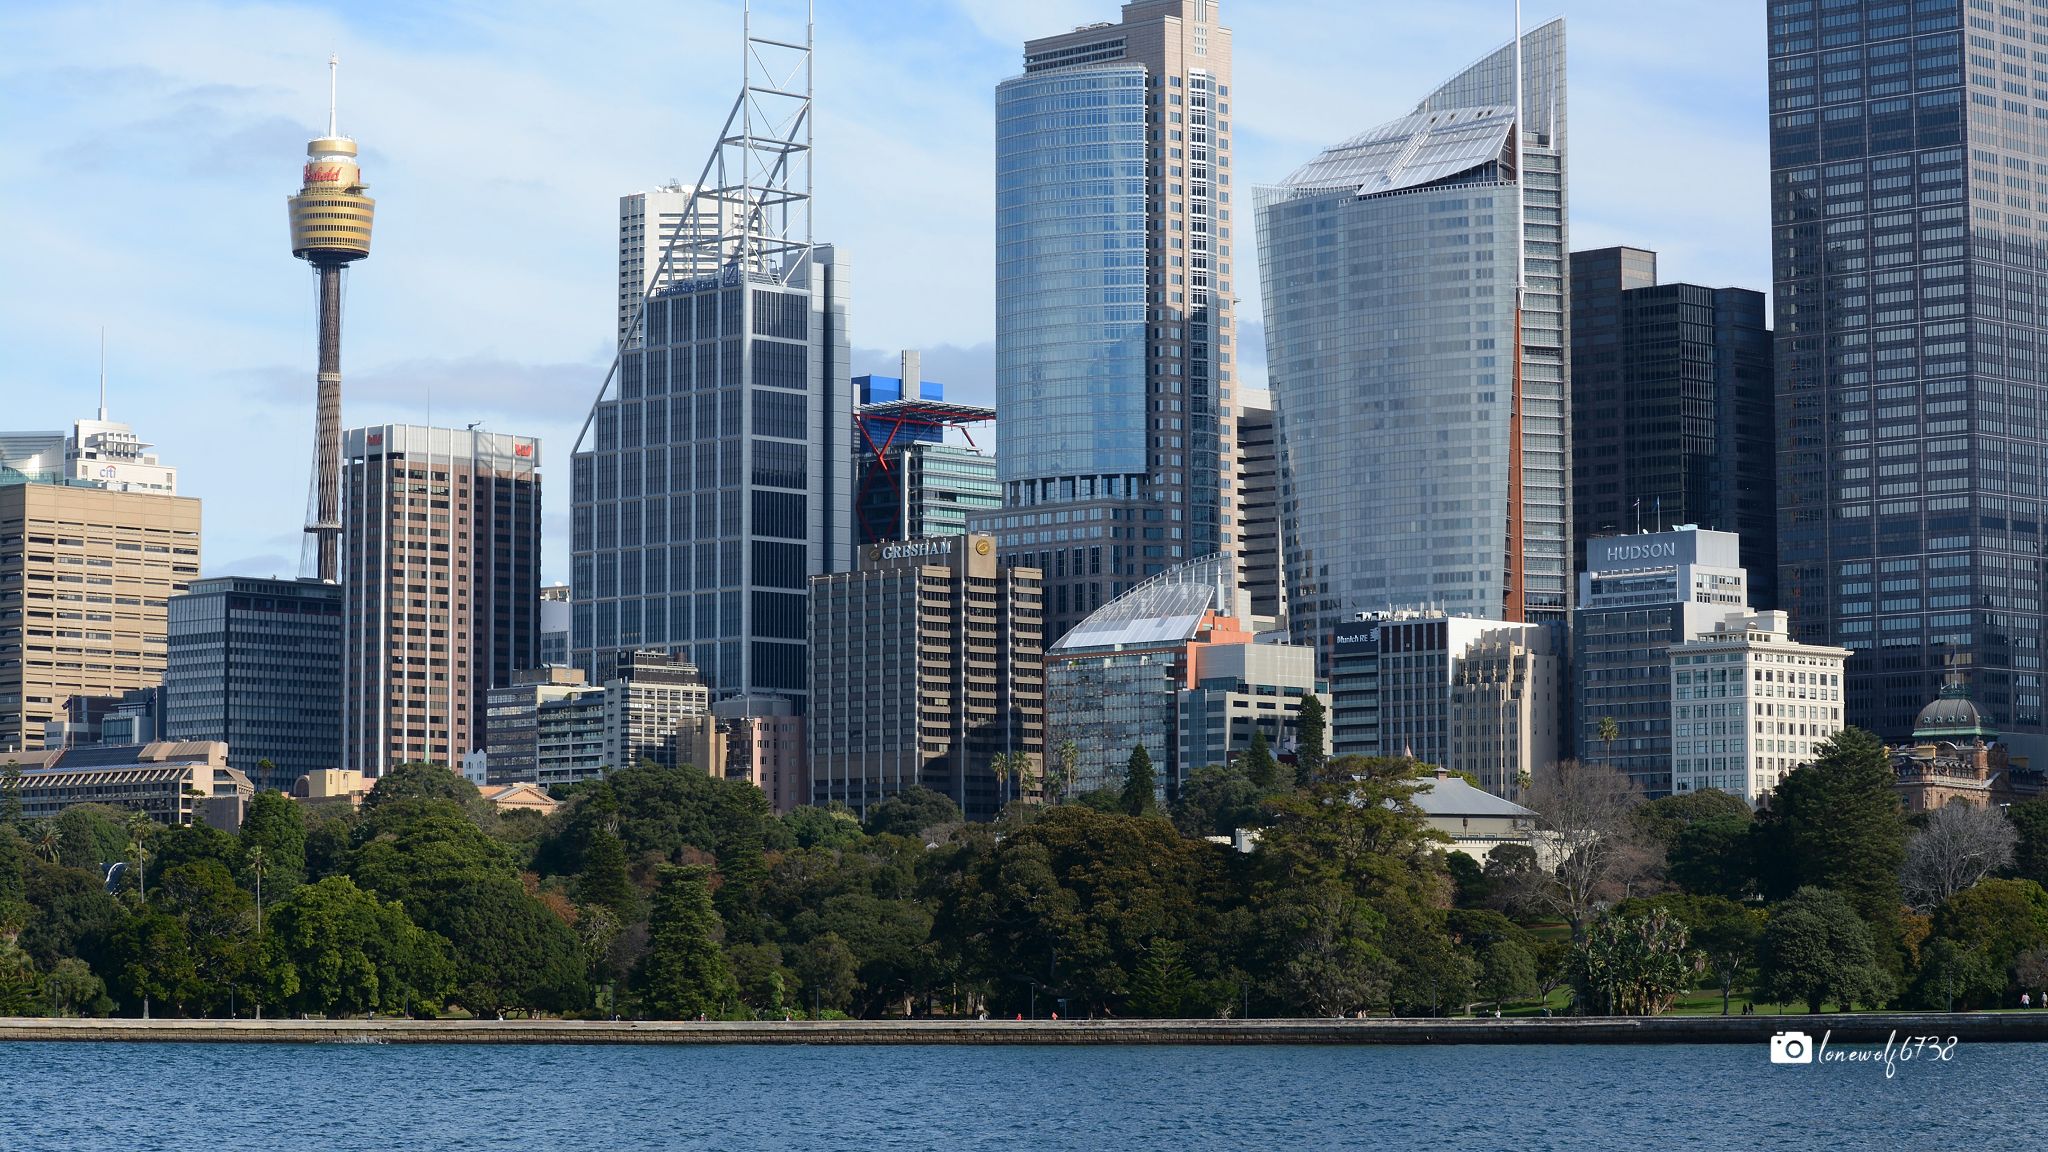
1654 550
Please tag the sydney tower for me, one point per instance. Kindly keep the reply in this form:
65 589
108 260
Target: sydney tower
330 227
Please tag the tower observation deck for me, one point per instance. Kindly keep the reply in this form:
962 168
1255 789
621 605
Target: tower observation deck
330 222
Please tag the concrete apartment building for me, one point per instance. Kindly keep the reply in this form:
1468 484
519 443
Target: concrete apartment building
927 663
651 701
85 575
1750 704
441 567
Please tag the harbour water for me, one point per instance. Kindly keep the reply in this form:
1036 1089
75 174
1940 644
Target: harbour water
95 1097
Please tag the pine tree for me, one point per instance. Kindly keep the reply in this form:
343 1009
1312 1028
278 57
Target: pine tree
1258 763
685 973
603 879
1311 733
1140 784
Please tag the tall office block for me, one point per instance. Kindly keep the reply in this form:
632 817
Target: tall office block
1260 565
84 577
1424 432
714 478
1672 408
441 575
927 665
909 483
256 664
546 727
1908 221
651 224
555 617
1114 333
1750 704
1639 596
647 703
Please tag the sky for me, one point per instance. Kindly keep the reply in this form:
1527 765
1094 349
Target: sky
147 148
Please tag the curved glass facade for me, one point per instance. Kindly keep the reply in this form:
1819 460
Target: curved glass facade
1070 274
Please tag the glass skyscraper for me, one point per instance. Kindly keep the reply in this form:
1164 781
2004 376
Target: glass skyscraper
1424 443
1909 194
256 663
1113 304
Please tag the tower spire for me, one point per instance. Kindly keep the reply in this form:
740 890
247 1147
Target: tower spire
333 90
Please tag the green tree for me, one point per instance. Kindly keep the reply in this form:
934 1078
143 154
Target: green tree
685 972
1162 987
1816 949
1725 932
2002 919
219 919
910 812
1009 768
10 794
276 825
1633 965
73 916
1140 797
153 964
1069 760
1217 802
758 972
834 826
1311 735
418 781
1607 733
1836 823
826 972
20 987
1506 972
91 836
332 949
2030 855
72 989
1714 857
1258 763
1660 821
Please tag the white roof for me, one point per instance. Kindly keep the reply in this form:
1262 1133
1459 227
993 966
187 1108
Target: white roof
1452 796
1410 152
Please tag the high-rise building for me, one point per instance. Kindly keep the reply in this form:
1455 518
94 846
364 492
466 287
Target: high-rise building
1422 415
527 716
1750 704
108 454
652 224
715 476
927 664
256 664
909 483
84 576
442 588
764 745
330 222
1907 229
647 702
1477 696
1672 409
1114 288
1260 569
1239 692
1638 596
555 616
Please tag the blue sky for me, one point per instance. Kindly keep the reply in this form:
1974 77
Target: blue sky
146 150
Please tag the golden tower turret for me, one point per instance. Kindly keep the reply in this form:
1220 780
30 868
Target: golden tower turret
330 221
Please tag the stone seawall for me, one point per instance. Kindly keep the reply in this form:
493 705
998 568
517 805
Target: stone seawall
1978 1028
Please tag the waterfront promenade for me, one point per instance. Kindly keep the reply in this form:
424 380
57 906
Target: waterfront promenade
1981 1028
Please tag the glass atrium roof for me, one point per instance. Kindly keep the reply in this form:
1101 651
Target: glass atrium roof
1165 610
1410 152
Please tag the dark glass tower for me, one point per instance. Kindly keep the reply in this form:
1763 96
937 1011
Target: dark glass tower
1909 245
1671 409
257 663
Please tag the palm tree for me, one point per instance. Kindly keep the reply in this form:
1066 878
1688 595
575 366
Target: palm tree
1609 732
1070 767
1008 766
47 843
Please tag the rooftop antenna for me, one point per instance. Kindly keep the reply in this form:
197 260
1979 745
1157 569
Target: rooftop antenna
334 88
103 372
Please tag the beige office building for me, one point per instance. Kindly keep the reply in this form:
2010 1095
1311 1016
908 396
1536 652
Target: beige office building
441 571
648 705
927 662
84 577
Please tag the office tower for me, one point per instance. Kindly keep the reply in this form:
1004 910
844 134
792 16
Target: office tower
546 727
909 483
1774 702
554 626
646 704
330 219
651 223
1478 696
928 664
107 454
1237 692
1904 246
1114 334
32 458
1259 548
1423 430
441 589
1638 596
715 475
256 664
764 745
1672 409
84 576
1122 676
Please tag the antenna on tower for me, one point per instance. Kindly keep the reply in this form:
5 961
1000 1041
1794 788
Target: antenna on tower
333 90
103 372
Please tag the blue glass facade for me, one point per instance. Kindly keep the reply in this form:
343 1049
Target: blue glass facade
1910 259
257 663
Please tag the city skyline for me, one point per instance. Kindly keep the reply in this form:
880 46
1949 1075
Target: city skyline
241 103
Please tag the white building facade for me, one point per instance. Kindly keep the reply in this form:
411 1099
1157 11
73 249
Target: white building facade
1750 704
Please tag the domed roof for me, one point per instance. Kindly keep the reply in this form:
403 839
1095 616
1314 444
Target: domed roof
1951 714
